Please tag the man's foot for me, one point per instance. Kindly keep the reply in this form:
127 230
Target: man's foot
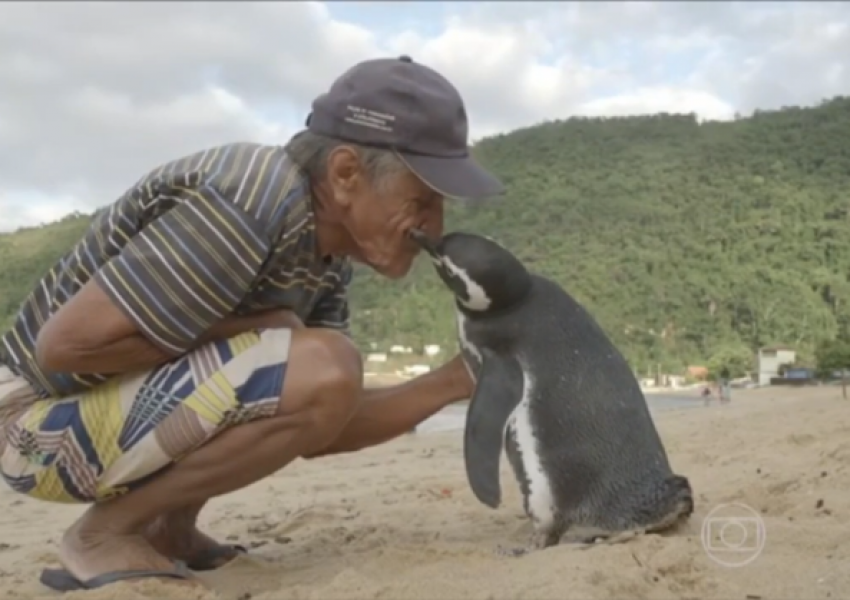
91 552
177 537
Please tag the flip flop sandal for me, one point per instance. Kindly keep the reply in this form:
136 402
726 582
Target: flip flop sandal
61 580
208 560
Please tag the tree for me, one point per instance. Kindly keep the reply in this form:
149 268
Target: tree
737 359
832 356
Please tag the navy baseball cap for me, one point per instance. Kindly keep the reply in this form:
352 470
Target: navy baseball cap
406 107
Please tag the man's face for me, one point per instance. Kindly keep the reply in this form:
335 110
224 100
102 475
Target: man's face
379 214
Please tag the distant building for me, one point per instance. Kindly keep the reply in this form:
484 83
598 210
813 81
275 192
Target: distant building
416 370
770 359
698 372
799 373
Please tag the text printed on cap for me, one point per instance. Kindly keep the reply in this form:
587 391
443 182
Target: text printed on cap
358 115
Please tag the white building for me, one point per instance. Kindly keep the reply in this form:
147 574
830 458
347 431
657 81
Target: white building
416 370
396 349
770 359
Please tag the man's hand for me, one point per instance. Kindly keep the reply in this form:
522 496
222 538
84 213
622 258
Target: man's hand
458 377
278 318
235 324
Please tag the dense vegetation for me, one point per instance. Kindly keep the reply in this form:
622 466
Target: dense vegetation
689 241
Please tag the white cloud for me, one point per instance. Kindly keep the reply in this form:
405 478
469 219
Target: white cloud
661 99
25 208
95 94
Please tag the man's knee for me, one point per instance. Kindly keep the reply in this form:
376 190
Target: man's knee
324 377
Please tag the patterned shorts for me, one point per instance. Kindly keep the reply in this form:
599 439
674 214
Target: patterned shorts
108 440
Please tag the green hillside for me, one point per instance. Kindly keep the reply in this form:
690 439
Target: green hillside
684 239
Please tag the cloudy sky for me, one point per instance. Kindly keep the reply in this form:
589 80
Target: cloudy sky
92 95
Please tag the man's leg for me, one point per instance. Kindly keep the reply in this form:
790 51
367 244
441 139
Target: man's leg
321 392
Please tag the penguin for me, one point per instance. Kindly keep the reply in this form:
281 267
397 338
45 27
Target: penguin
556 395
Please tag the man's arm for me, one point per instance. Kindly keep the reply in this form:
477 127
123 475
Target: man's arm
161 295
388 412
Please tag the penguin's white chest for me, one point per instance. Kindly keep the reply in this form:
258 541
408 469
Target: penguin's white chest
540 502
467 348
520 426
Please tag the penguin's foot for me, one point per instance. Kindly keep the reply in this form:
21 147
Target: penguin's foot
539 540
512 552
614 538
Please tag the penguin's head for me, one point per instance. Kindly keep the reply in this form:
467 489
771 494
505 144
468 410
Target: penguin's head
484 276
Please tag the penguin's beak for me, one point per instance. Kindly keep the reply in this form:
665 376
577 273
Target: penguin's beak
421 238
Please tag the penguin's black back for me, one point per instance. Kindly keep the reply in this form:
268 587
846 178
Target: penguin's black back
596 437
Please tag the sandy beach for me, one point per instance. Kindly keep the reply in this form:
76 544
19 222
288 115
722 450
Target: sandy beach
399 522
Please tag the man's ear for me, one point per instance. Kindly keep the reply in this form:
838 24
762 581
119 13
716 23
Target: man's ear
344 173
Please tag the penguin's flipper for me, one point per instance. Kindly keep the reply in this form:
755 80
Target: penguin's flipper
498 391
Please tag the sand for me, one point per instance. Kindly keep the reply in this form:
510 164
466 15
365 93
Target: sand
399 522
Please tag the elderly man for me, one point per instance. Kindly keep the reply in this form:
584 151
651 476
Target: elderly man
194 341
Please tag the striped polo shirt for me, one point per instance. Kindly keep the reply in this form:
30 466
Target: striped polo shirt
229 230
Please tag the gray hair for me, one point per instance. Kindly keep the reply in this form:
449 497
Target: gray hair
310 151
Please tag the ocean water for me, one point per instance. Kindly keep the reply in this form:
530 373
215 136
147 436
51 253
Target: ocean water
453 417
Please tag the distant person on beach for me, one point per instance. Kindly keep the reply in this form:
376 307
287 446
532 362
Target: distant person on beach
724 389
706 394
196 339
